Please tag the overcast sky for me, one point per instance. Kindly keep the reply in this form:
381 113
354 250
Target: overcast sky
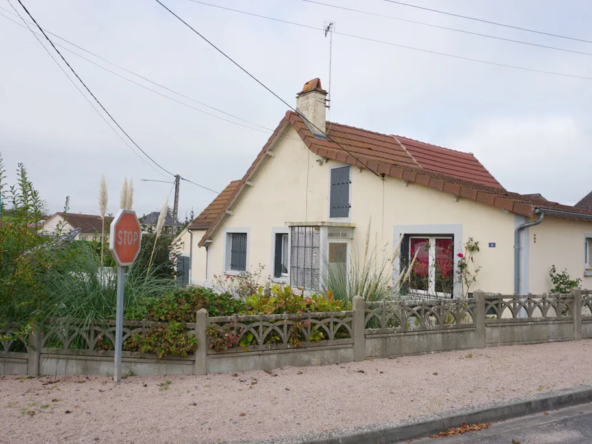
531 130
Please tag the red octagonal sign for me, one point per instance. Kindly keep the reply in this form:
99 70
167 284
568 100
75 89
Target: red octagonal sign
125 237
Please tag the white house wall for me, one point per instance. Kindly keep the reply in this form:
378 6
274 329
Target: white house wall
558 242
293 187
198 258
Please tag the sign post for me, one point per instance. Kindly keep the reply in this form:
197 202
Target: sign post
124 242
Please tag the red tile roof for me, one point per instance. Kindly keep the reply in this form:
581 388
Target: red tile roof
214 209
446 161
456 173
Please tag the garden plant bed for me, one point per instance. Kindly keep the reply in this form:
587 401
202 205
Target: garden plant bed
285 402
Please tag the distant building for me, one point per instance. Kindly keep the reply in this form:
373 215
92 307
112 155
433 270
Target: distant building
149 222
585 203
89 225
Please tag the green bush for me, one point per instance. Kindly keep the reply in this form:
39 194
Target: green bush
182 304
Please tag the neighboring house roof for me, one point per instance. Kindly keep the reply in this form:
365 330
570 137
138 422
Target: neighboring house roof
585 203
152 219
209 215
376 152
87 223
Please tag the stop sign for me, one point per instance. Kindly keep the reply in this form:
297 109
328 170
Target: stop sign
125 237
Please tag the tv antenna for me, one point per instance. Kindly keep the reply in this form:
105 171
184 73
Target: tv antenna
329 28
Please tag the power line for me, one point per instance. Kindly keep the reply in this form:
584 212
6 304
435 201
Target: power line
263 85
490 22
265 129
359 11
26 25
427 51
201 186
89 91
152 180
136 74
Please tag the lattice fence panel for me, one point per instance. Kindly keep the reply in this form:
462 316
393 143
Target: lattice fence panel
273 332
403 316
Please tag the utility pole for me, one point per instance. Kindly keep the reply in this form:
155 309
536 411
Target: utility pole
176 205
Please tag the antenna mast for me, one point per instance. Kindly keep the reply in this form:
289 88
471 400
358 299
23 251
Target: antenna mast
329 28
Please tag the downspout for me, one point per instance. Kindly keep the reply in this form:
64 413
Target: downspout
206 282
190 255
517 247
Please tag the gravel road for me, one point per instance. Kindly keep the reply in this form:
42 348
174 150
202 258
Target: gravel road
290 401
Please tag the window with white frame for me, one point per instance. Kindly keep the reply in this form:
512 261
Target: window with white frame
236 258
281 261
588 254
432 264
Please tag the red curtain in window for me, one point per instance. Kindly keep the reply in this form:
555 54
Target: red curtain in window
444 257
422 263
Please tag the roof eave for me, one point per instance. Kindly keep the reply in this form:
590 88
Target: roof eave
280 131
564 214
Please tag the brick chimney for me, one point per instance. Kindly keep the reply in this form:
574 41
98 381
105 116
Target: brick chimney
311 104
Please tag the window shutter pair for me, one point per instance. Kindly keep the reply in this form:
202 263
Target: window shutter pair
339 193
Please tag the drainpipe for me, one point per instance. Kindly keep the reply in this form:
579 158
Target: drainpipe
190 254
517 247
206 282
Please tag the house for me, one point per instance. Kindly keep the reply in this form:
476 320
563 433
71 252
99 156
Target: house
89 225
188 240
310 203
585 203
150 220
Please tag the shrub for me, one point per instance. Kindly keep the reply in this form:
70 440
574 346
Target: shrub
182 304
173 338
243 285
562 281
278 300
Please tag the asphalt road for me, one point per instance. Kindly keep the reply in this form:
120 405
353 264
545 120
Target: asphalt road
571 425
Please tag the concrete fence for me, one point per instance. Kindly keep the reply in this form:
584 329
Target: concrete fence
369 330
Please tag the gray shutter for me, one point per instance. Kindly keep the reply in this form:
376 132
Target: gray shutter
339 198
238 252
183 270
277 263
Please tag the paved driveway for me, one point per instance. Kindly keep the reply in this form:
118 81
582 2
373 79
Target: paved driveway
572 425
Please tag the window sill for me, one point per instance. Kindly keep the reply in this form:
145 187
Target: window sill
588 272
284 280
234 272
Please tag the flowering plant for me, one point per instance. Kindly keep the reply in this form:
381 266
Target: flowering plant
466 262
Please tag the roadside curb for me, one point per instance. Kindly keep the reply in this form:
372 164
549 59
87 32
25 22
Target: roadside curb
422 426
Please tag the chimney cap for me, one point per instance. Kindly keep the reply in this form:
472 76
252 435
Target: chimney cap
312 85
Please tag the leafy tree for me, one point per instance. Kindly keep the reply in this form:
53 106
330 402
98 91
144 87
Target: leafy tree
164 256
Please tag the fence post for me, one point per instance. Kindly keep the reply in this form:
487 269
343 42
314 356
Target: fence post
479 318
576 310
35 342
358 324
201 354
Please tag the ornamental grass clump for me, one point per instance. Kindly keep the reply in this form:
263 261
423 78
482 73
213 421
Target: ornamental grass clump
103 201
159 227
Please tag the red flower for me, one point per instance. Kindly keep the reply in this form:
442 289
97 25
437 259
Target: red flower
460 255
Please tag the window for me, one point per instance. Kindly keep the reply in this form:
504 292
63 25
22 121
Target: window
588 255
433 269
339 193
238 251
337 262
305 257
282 255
